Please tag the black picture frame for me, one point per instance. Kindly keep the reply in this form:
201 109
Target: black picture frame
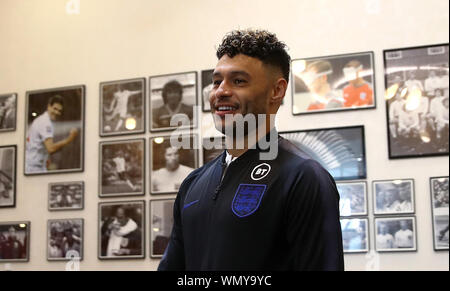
313 76
353 198
69 158
126 100
440 212
8 175
64 196
21 252
122 168
164 155
160 116
355 234
389 242
8 112
345 144
161 222
135 240
66 227
206 87
395 196
413 107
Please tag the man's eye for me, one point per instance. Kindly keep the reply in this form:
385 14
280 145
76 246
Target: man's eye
239 81
217 82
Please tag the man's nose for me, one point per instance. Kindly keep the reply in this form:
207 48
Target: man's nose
223 90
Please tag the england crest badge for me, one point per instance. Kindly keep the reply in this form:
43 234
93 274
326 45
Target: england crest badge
247 199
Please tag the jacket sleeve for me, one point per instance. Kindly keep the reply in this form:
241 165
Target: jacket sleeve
312 221
173 258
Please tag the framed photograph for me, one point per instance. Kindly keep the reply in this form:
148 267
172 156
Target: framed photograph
14 241
8 109
395 234
339 150
54 131
171 164
173 95
353 198
121 230
122 107
65 239
161 220
66 196
333 83
206 86
355 235
122 168
216 149
393 196
8 157
416 82
440 211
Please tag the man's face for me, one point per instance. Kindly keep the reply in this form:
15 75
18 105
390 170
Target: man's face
241 85
173 98
12 233
54 111
120 215
172 158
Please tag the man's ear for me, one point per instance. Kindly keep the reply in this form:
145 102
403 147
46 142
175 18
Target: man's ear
279 91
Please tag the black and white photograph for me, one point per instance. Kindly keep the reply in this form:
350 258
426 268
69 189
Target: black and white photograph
206 86
8 110
65 239
161 222
339 150
66 196
393 196
440 211
215 148
14 241
355 235
122 168
54 131
395 234
8 156
353 198
173 95
171 164
122 106
333 83
121 230
416 82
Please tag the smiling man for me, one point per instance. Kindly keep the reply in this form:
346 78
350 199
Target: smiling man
241 211
40 143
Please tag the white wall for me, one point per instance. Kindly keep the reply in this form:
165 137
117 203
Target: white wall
44 47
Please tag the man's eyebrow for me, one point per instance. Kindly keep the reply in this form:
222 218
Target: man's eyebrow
232 73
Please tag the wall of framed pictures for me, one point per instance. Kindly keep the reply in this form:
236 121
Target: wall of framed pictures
148 52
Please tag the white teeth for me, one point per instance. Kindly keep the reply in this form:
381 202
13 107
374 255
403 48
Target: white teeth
225 108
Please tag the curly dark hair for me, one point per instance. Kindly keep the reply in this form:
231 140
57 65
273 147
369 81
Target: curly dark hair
259 44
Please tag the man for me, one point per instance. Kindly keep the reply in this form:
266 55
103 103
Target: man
120 226
172 94
432 83
118 108
316 79
395 108
408 123
239 212
121 170
40 143
385 240
404 236
169 178
358 92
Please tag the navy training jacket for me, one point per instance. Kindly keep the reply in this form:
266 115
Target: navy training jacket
275 215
